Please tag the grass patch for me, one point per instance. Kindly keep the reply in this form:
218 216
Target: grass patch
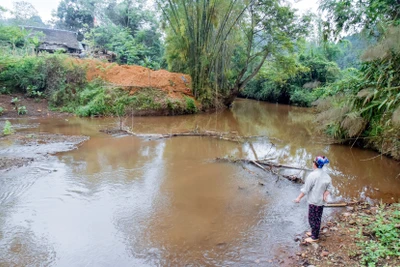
382 243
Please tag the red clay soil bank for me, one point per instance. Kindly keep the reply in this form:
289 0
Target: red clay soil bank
137 77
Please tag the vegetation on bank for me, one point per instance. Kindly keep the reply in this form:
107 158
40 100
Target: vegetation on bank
63 83
355 83
364 107
364 235
378 238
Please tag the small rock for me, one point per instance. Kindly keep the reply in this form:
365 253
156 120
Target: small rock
346 214
324 253
303 255
325 230
260 183
298 254
297 239
349 208
333 228
311 265
376 189
39 110
315 246
257 261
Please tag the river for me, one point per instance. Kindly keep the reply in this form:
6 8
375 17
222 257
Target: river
128 201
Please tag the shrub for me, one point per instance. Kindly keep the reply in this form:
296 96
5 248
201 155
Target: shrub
22 110
54 75
19 73
190 105
174 106
101 99
7 130
384 228
5 90
32 91
302 97
1 110
15 100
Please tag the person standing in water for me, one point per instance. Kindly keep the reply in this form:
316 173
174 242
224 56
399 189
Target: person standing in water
317 187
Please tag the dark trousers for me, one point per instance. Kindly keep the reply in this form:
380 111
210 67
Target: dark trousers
314 218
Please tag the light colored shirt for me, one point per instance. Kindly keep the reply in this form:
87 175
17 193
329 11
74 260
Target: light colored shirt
317 182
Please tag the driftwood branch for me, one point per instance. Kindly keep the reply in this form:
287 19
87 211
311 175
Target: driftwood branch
265 163
339 205
228 136
269 167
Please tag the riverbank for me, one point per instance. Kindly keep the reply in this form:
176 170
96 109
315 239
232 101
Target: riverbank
90 87
360 235
35 107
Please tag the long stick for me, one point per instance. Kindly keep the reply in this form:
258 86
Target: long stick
336 205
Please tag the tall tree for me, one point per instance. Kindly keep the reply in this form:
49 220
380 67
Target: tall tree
349 16
129 29
75 15
223 44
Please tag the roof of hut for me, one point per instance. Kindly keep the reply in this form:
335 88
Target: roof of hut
57 37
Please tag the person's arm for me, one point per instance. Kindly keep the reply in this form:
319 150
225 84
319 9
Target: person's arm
326 194
305 189
328 190
297 200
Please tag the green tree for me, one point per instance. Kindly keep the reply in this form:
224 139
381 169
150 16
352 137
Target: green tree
75 15
365 105
13 35
223 44
130 30
344 16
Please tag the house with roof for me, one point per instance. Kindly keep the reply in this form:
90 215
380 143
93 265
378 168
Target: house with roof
53 40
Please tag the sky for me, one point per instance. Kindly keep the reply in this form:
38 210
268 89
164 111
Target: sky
45 7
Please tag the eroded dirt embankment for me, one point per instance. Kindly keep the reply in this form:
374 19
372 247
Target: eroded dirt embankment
134 78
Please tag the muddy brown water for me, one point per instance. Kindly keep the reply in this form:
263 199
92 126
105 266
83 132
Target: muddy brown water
127 201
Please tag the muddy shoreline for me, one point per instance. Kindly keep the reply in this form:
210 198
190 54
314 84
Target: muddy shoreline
28 148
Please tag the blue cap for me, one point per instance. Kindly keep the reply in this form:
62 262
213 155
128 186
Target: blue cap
320 161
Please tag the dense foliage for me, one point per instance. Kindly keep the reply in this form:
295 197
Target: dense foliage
126 28
366 106
224 44
294 78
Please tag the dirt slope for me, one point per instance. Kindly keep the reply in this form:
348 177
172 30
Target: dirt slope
136 77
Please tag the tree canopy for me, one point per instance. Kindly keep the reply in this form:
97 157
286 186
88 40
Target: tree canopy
223 44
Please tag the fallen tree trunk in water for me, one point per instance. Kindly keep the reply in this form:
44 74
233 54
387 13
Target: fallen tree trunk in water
269 167
228 136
